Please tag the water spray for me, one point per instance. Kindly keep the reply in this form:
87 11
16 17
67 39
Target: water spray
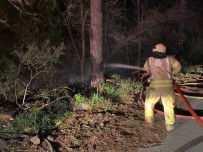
123 66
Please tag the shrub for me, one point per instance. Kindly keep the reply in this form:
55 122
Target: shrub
30 67
189 74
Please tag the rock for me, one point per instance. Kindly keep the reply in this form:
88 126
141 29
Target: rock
50 138
35 140
82 107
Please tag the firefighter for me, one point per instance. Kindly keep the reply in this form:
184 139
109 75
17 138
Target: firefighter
161 68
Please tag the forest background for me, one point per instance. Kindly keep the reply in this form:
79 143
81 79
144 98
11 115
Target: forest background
36 35
52 51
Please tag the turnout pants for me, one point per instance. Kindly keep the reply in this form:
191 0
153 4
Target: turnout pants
166 94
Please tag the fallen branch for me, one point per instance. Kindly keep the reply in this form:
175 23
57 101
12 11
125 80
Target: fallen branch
47 105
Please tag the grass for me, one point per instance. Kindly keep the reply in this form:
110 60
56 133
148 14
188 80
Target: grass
128 86
30 122
97 100
109 90
61 118
34 121
120 87
79 98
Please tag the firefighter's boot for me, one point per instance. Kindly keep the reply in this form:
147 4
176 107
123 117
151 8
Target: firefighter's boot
149 120
169 128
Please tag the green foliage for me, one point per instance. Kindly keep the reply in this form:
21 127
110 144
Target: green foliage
189 74
96 98
34 121
119 87
116 77
128 86
197 69
114 89
108 89
31 122
61 118
33 65
78 98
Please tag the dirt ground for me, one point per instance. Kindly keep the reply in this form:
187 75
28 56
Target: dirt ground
118 130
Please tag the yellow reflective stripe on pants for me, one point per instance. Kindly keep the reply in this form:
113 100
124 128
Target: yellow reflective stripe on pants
149 113
169 111
149 106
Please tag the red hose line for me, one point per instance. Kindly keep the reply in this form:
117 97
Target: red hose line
177 116
193 116
188 105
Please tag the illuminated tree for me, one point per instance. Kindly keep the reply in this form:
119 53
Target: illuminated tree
96 51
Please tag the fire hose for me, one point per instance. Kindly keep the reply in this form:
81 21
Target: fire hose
194 116
193 113
197 118
186 103
176 86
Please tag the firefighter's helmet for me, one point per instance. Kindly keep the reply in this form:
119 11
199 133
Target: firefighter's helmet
160 48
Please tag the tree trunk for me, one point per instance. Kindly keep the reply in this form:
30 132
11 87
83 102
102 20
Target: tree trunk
96 52
82 19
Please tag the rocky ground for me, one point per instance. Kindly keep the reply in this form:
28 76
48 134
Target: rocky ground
118 130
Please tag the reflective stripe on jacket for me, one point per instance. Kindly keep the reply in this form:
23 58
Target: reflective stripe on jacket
161 70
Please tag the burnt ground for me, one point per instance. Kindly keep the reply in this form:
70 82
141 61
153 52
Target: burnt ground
118 130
